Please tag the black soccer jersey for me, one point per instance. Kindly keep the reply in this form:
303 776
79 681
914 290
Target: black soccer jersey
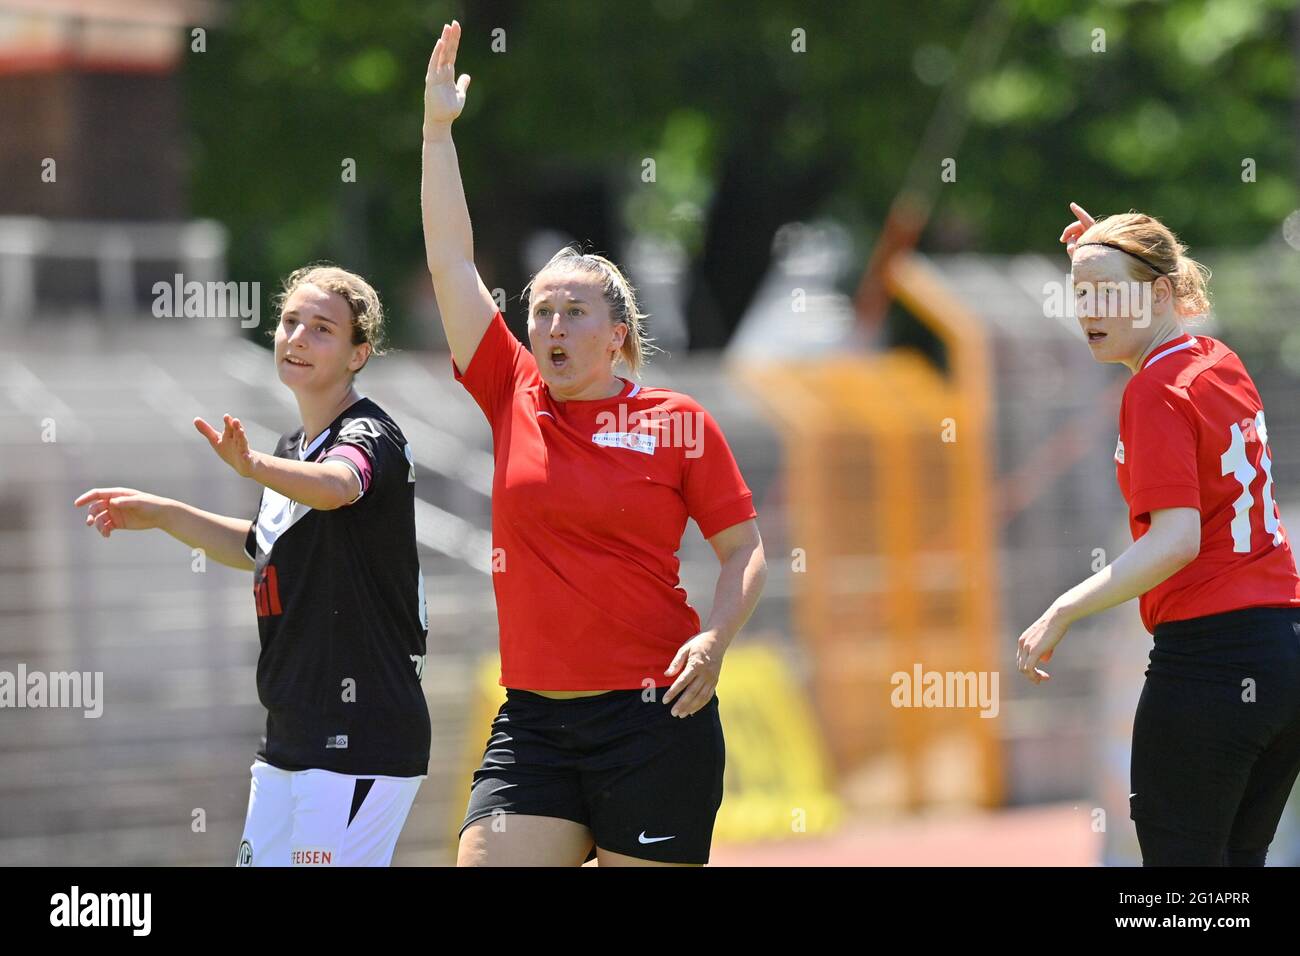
340 610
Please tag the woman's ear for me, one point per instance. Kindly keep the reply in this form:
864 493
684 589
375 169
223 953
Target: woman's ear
360 353
617 354
1164 292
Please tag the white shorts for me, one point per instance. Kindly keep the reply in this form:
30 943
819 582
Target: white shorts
322 818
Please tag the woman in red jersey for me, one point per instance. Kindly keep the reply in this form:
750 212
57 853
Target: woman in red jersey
1216 737
610 735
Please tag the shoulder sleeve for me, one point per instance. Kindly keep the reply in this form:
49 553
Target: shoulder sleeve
1160 449
500 367
369 448
250 541
715 492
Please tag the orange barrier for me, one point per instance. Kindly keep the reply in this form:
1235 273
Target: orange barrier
890 505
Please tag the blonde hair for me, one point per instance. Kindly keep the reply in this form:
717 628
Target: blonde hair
618 294
1154 251
360 295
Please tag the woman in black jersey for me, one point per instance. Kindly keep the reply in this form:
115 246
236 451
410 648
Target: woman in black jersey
337 589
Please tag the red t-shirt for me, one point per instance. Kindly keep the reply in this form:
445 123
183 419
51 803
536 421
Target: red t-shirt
1192 435
589 503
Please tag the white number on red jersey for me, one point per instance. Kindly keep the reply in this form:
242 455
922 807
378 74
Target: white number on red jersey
1235 463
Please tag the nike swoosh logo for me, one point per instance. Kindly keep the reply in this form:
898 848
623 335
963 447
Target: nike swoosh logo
645 839
547 414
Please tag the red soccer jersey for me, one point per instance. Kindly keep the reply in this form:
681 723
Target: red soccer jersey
589 503
1192 435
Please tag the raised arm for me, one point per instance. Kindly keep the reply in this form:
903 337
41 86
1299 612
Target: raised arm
464 302
322 485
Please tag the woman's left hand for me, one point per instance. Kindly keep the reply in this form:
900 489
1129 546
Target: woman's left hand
230 445
700 663
1038 643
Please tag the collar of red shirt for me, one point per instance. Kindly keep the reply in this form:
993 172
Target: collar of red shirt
630 388
1186 341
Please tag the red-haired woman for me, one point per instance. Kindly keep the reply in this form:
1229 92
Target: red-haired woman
1216 737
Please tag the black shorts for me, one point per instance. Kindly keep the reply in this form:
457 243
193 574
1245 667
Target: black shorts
647 784
1216 738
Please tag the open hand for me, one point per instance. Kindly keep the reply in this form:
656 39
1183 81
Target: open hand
444 95
231 445
120 509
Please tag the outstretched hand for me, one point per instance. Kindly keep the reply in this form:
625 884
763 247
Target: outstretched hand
444 94
231 445
120 509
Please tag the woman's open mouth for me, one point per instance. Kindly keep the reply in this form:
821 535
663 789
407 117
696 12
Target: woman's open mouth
297 363
1095 337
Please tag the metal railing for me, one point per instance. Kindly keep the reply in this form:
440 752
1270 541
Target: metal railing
116 251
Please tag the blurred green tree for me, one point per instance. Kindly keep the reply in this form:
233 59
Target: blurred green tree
755 114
